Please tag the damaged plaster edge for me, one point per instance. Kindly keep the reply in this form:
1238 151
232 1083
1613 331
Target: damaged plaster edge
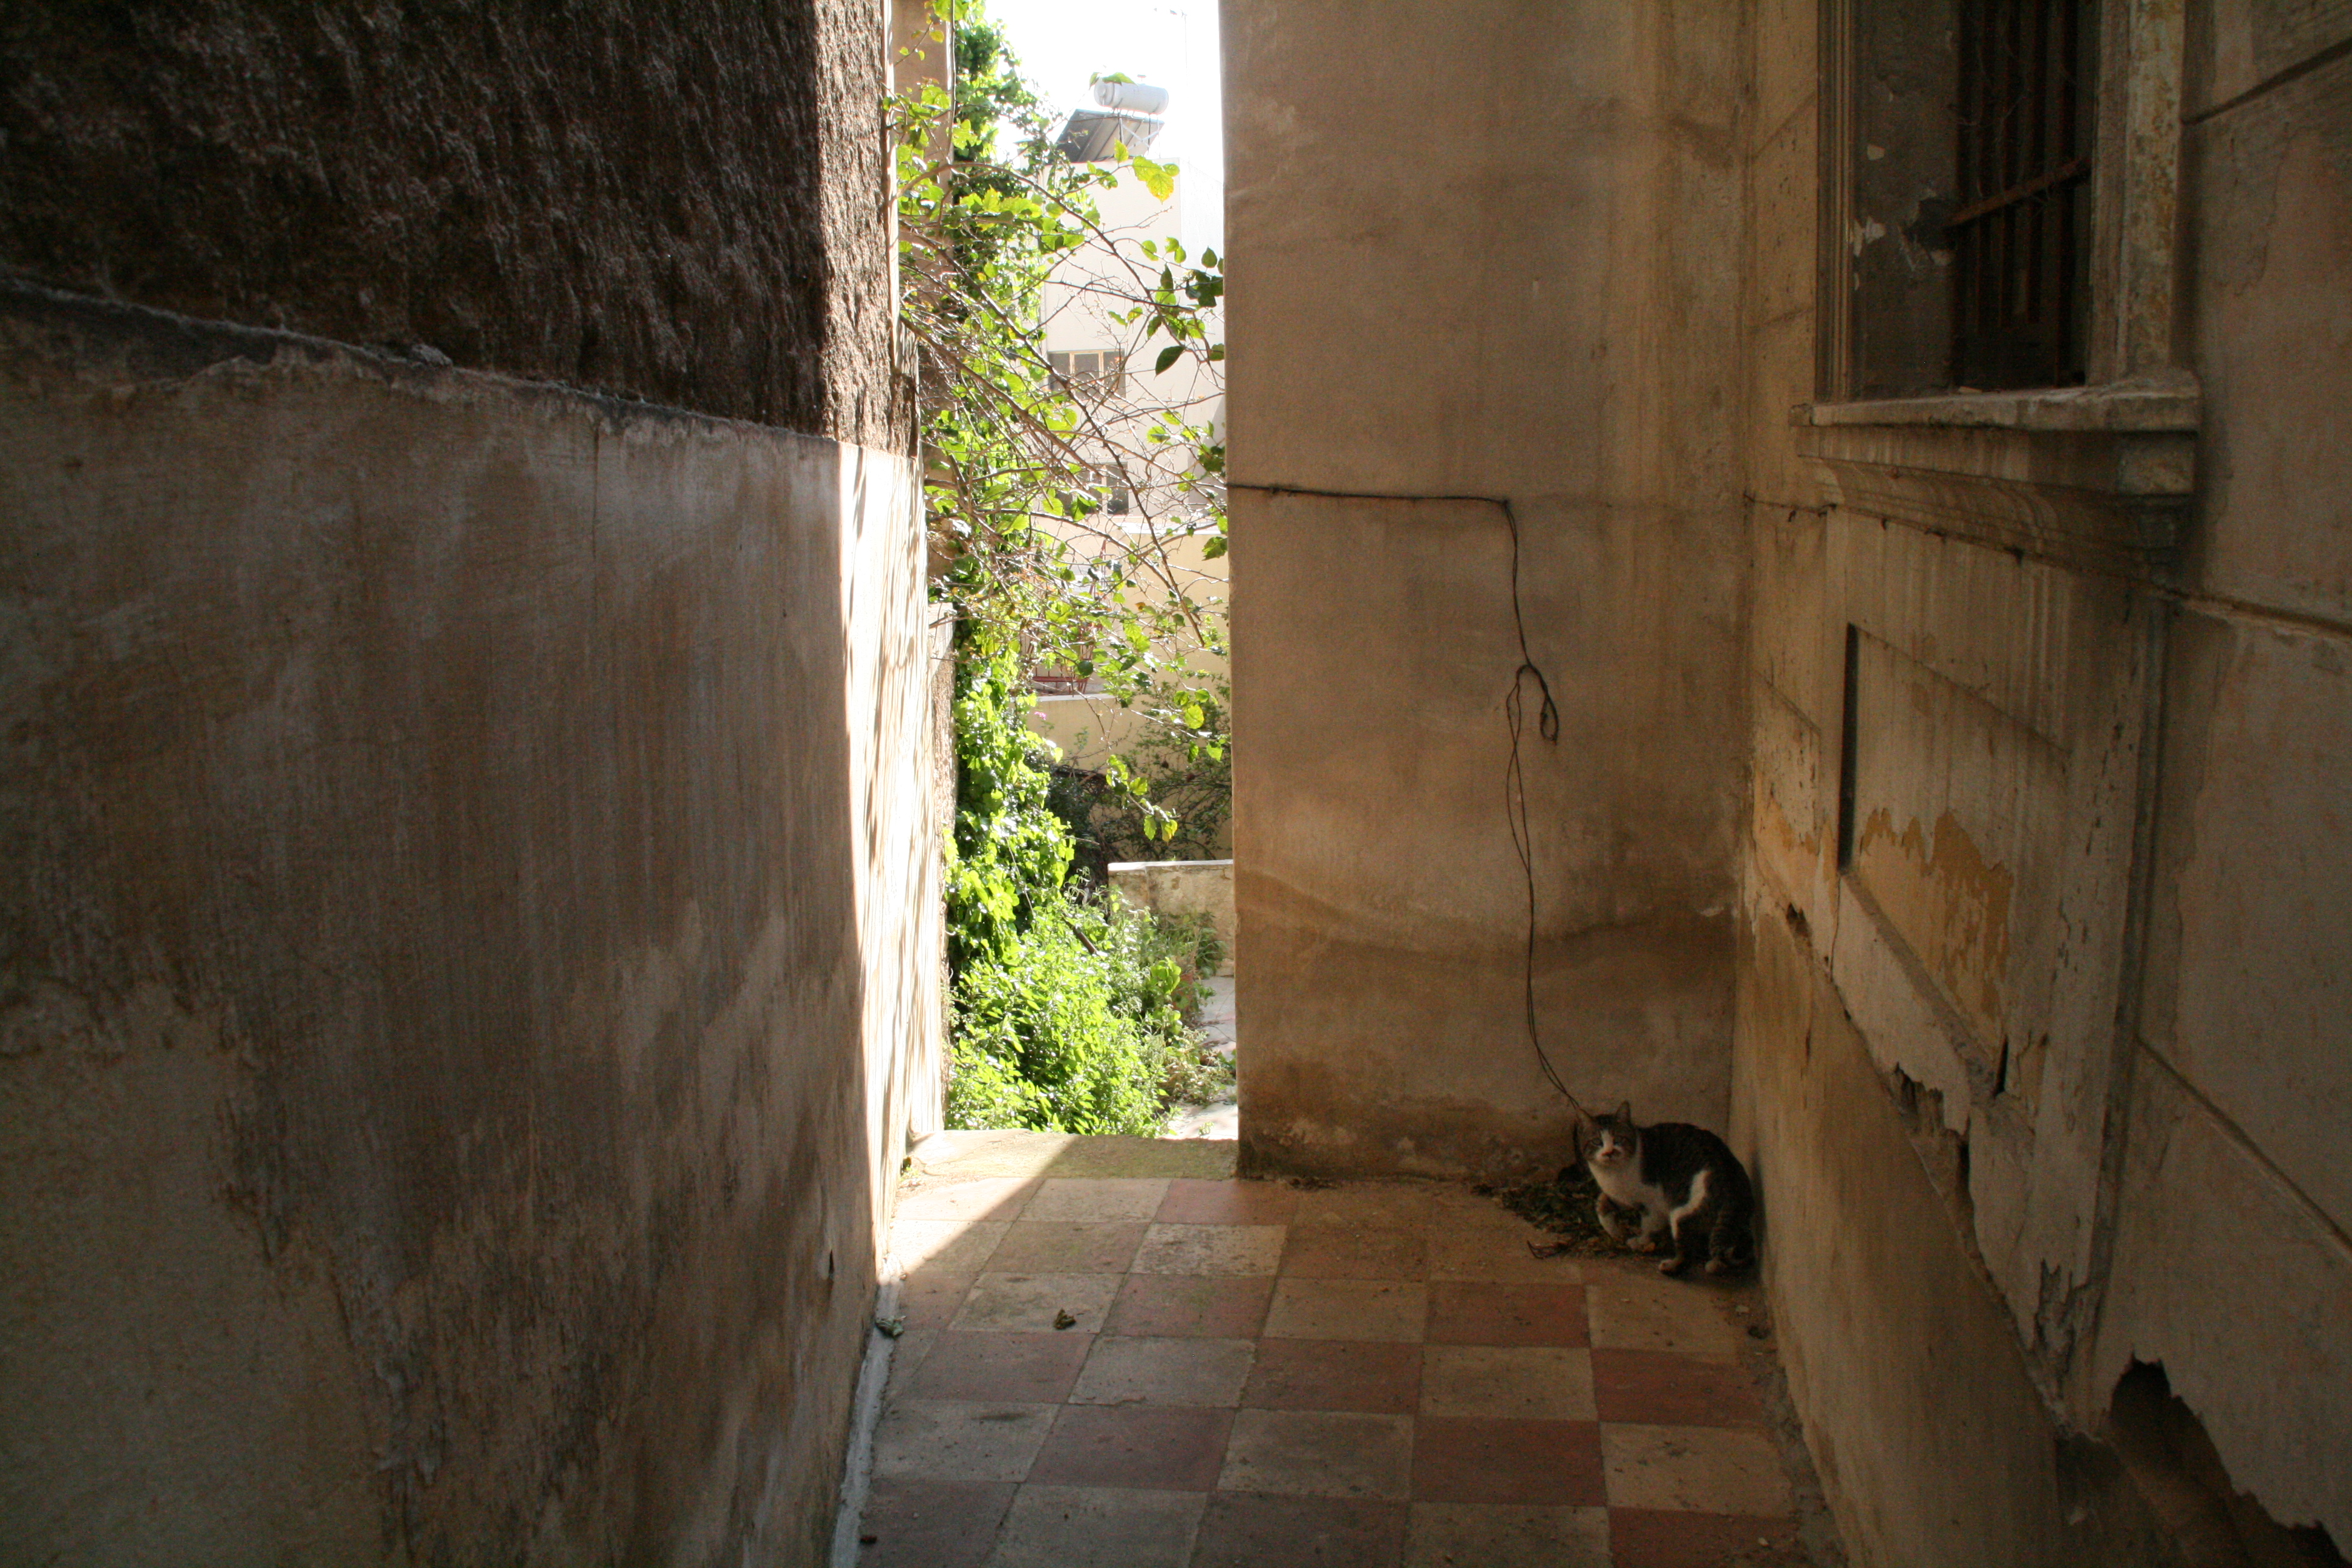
1893 999
1886 999
111 344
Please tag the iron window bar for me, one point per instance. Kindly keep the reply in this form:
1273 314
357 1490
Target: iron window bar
2016 235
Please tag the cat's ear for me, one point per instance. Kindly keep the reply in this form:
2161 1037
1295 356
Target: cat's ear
1625 1112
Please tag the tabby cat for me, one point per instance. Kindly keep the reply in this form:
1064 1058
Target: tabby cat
1677 1178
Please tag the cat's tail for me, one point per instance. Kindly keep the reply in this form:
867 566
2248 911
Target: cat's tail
1731 1242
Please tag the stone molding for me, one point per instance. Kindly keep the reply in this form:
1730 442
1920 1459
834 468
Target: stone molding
2099 479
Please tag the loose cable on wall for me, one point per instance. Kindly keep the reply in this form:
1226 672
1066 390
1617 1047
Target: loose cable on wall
1514 792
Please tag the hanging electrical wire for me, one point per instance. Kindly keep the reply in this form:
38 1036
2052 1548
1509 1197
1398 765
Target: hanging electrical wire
1514 791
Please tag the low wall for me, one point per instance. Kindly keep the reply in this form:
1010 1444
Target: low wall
465 852
1088 727
1183 888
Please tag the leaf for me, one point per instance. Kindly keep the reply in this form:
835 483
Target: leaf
1194 716
1167 356
1159 179
1213 549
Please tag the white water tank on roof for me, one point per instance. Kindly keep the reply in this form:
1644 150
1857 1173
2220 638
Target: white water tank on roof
1135 97
1128 117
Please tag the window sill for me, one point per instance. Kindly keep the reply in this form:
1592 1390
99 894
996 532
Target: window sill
2166 405
2096 477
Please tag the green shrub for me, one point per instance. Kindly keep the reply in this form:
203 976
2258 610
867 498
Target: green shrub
1074 1030
1067 1012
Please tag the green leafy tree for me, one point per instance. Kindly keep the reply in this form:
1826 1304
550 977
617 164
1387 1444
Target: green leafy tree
1065 1010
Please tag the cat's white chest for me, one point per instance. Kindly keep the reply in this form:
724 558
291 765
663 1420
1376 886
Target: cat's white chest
1624 1185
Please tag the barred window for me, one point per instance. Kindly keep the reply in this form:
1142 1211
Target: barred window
2019 235
1957 142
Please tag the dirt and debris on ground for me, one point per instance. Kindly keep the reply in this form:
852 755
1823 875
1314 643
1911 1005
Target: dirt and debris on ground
1567 1205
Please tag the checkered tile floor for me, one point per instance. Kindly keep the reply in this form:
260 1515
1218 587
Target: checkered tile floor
1245 1372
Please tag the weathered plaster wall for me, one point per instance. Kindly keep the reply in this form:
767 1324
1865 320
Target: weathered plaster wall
2234 1247
2086 952
1921 1413
1485 252
467 957
677 203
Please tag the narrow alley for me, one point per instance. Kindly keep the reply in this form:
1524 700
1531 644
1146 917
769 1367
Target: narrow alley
1115 1353
1784 566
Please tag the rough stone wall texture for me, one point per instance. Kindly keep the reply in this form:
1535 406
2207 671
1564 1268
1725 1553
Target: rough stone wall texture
2101 987
682 203
462 864
1486 253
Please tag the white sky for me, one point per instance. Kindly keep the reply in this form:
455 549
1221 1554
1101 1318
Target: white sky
1169 43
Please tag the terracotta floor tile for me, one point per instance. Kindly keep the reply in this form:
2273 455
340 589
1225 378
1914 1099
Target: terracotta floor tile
1318 1453
1380 1206
949 1246
1470 1459
907 1355
1631 1308
1646 1538
1453 1204
1695 1469
1227 1203
1210 1306
920 1523
1501 1535
1495 1252
983 1198
1234 1249
1464 1313
1010 1302
1098 1527
1123 1370
1047 1247
931 1300
1347 1252
1346 1309
1169 1449
1033 1367
1244 1530
1083 1200
1335 1375
1533 1382
1664 1388
961 1440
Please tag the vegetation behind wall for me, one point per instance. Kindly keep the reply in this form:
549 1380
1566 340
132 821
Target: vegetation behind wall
1066 1009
